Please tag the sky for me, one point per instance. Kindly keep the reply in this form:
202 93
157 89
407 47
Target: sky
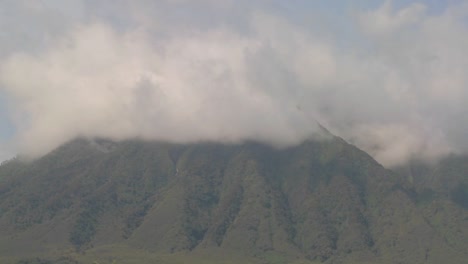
388 76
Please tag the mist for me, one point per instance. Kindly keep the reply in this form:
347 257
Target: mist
395 84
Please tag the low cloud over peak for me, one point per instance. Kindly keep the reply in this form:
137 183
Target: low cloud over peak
397 92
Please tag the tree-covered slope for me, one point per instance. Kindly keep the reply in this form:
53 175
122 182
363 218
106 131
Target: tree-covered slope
321 201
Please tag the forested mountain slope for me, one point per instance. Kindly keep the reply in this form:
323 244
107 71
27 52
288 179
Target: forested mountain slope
320 201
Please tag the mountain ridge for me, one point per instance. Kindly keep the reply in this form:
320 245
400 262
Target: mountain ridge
320 201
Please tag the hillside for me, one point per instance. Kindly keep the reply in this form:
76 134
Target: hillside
147 202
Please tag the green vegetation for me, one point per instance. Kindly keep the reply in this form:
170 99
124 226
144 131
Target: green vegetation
85 226
151 202
62 260
460 195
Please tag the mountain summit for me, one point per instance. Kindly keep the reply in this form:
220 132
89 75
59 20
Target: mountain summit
154 202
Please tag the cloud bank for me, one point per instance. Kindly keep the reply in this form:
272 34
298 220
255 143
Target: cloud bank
398 92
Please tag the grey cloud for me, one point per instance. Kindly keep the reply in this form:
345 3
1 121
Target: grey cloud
30 25
4 156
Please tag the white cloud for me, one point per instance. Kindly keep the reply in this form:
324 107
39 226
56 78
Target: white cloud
5 153
385 21
403 98
394 144
96 82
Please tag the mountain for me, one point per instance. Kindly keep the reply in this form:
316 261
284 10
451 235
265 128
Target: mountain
98 201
